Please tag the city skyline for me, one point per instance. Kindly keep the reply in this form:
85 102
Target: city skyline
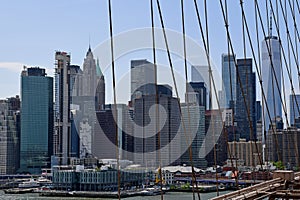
136 98
124 58
95 31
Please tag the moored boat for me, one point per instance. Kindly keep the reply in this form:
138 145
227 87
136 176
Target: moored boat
29 184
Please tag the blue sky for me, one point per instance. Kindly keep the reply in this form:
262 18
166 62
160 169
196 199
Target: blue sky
31 31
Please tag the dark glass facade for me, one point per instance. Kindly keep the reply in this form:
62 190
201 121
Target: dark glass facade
200 89
36 121
245 100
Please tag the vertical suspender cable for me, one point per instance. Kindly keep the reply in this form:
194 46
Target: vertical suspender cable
188 129
157 114
231 98
210 71
210 91
115 99
173 78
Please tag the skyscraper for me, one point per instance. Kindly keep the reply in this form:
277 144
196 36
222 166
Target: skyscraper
229 80
201 74
194 119
197 91
92 100
271 75
36 120
215 139
245 99
104 140
146 140
89 74
75 86
62 134
87 96
9 135
142 75
294 108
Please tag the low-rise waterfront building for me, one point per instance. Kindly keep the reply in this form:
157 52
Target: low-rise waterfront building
105 179
171 174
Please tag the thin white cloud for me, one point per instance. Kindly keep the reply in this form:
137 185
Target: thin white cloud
18 67
12 66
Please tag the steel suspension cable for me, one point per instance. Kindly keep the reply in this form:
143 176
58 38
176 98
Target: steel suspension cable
290 45
115 97
248 82
187 133
297 35
272 65
210 89
281 46
271 56
213 82
232 50
260 77
211 75
231 97
288 33
295 53
289 62
259 74
296 46
298 6
157 114
293 12
260 71
239 79
173 78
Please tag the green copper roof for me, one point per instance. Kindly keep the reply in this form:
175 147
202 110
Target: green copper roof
98 70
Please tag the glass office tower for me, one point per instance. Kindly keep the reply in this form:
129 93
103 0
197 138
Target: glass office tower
36 120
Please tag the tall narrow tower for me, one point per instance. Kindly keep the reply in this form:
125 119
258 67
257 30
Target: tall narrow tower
271 76
62 134
90 99
245 100
229 80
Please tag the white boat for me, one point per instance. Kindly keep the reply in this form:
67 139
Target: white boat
29 184
150 192
43 180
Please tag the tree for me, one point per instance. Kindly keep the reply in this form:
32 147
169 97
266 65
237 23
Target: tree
279 164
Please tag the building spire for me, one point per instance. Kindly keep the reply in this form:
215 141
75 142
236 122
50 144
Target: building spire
89 41
89 50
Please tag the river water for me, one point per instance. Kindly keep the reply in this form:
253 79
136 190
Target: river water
167 196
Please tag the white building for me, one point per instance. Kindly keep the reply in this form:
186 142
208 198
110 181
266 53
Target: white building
169 172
